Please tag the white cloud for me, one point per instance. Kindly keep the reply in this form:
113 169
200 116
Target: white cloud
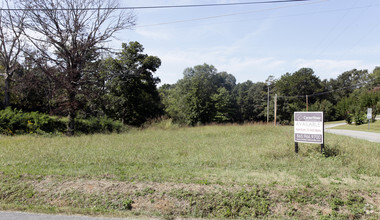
246 68
153 35
327 69
254 69
250 68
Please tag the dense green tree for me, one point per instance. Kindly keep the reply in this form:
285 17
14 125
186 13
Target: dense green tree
92 100
345 109
173 102
347 82
226 80
197 86
327 108
133 96
224 105
354 107
194 98
251 101
34 91
370 99
244 101
292 90
375 77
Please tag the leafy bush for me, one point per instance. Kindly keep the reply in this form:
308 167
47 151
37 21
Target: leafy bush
10 121
18 122
360 118
345 108
44 123
349 118
97 125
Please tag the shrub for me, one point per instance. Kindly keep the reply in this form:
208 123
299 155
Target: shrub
42 123
12 121
348 118
360 118
18 122
97 125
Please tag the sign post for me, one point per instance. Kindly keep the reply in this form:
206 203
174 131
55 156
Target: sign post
369 115
309 128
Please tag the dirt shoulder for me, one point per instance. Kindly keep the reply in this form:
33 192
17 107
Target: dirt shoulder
179 200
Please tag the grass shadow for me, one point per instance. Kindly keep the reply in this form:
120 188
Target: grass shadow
331 151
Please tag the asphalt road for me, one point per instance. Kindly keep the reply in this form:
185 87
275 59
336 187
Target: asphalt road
333 125
369 136
33 216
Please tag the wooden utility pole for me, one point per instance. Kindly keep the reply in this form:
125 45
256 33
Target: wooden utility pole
268 107
275 109
307 103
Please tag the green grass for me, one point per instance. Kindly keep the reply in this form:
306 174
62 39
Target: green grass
374 127
335 122
178 171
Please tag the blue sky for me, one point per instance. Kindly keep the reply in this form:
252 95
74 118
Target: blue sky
255 41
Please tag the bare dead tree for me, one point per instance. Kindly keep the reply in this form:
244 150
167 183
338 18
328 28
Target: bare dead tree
11 45
68 34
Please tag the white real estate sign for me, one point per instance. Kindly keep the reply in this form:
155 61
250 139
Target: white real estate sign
308 127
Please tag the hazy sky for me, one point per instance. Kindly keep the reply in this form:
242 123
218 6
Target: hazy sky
255 41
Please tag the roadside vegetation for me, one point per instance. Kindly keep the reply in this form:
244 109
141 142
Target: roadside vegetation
219 171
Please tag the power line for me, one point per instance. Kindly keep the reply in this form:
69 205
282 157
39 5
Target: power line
216 4
256 11
318 46
345 28
225 15
162 6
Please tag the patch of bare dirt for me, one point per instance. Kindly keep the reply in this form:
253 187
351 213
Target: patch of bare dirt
164 205
153 196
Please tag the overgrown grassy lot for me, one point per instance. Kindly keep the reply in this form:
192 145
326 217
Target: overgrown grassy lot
229 171
373 127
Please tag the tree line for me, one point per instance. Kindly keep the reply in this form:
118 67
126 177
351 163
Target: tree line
53 60
122 88
205 95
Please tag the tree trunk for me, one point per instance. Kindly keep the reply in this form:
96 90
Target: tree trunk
71 125
7 101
